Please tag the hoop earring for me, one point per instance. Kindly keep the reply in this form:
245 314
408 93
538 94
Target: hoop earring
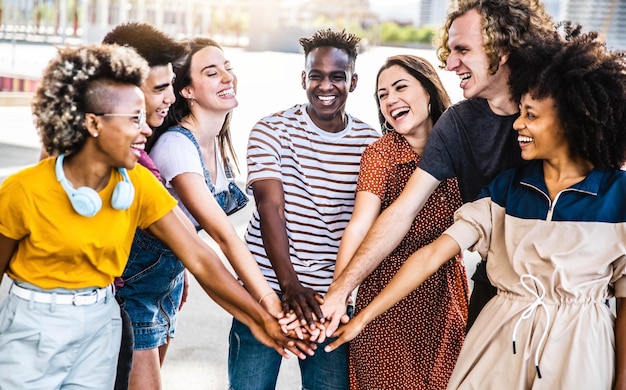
387 127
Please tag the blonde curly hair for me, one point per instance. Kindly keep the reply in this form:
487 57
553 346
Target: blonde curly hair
504 22
69 88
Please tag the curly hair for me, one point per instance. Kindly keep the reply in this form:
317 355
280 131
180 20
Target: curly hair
71 85
423 72
504 22
329 38
153 45
587 82
180 108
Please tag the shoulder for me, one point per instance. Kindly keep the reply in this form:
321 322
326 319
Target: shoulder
289 114
33 176
359 125
171 140
467 108
389 149
140 174
386 143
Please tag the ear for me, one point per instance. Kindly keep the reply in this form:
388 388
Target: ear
186 93
92 123
504 58
303 80
353 82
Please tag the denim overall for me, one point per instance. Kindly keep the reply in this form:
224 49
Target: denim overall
230 200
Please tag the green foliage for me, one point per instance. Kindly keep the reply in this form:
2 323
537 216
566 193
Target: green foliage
393 33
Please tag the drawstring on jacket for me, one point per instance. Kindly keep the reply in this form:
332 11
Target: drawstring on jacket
530 310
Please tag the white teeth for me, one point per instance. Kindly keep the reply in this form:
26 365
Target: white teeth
138 146
226 92
326 98
162 110
399 111
523 138
465 76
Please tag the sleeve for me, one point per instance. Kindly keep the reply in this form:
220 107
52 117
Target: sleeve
374 171
263 156
472 226
153 199
14 209
619 265
174 154
437 159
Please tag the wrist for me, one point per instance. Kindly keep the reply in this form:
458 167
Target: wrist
266 295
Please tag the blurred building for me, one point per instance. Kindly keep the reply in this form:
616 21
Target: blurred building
607 17
260 24
264 24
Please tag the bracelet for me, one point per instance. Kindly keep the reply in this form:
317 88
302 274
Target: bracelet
265 296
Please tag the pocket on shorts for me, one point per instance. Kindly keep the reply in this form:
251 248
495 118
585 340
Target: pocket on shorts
18 328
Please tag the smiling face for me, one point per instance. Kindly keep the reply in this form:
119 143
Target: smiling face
213 83
540 133
328 78
159 94
469 60
118 133
403 102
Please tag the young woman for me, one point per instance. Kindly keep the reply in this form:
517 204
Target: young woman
426 329
552 231
67 223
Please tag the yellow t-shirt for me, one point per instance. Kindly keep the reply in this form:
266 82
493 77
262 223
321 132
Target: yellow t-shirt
60 248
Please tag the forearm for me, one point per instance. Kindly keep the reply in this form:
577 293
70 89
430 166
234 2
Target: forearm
242 262
382 238
418 267
366 210
227 292
7 247
276 244
352 237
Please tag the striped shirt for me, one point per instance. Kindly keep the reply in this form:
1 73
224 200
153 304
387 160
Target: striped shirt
319 171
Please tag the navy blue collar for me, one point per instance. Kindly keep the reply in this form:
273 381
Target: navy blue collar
532 174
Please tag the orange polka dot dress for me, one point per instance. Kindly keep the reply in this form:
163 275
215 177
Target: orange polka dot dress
415 344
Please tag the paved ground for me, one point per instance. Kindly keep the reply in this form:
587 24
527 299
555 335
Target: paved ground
268 82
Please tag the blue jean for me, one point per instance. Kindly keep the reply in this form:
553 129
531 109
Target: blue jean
152 291
253 366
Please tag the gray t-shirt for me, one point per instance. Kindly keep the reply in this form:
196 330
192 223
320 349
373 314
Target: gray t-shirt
472 143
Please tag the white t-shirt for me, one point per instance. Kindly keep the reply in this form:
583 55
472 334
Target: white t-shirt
175 154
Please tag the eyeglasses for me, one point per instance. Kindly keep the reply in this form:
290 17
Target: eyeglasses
139 117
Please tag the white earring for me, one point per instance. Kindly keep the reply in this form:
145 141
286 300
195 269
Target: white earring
95 134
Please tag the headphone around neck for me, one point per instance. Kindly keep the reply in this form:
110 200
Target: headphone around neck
86 201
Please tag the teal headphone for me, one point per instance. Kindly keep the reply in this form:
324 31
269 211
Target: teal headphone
86 201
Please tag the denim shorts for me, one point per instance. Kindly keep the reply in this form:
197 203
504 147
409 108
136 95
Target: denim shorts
152 290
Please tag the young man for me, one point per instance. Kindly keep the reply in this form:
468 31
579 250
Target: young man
473 140
303 164
141 295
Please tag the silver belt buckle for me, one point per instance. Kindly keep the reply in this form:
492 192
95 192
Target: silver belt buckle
85 298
